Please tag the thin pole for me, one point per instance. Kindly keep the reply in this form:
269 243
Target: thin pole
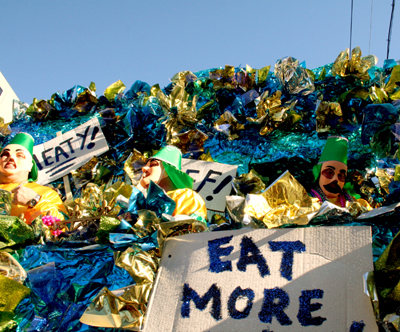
351 25
390 30
370 28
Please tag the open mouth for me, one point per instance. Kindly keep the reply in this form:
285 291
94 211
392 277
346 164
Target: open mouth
10 166
333 188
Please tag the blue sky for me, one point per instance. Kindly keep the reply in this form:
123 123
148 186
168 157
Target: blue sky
50 46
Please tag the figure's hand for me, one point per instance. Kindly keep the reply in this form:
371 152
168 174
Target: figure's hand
23 195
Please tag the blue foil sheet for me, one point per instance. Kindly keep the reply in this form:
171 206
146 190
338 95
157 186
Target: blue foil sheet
63 283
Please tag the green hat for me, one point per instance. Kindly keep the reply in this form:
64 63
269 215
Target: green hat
27 142
171 158
335 149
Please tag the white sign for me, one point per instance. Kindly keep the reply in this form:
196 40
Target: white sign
301 279
212 181
7 96
67 152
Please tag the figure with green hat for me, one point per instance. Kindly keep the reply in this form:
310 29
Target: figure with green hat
18 173
330 174
164 169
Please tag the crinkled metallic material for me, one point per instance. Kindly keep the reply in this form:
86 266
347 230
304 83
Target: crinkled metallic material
141 265
293 77
228 125
11 293
10 268
250 183
358 66
14 231
114 89
63 283
285 202
133 166
271 114
191 141
124 308
328 115
4 128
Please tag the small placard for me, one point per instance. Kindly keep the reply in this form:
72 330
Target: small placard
212 181
302 279
67 152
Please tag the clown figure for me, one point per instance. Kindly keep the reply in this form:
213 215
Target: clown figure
18 173
164 169
330 173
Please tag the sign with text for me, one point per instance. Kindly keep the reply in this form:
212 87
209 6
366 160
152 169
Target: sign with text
212 181
302 279
67 152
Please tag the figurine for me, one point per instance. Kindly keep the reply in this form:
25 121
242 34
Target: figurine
330 174
164 169
18 173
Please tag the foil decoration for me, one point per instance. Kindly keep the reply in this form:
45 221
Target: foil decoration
357 66
10 268
260 74
270 113
122 309
371 291
228 125
180 109
40 110
5 202
141 265
114 89
14 231
249 183
328 115
191 141
11 293
293 77
183 78
133 166
19 110
284 202
4 128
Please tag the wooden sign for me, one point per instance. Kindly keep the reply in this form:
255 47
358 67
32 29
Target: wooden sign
67 152
301 279
212 181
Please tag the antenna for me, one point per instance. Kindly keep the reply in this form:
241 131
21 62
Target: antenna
370 28
390 30
351 27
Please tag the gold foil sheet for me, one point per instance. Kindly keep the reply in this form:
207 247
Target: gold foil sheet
293 77
285 202
384 179
124 308
183 78
11 293
177 227
357 66
10 268
133 166
271 114
206 156
114 89
228 125
326 112
92 196
190 141
141 265
39 110
249 183
4 128
180 110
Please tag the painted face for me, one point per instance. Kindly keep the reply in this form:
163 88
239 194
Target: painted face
332 178
15 158
154 171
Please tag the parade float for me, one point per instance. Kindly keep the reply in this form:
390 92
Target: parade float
266 255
